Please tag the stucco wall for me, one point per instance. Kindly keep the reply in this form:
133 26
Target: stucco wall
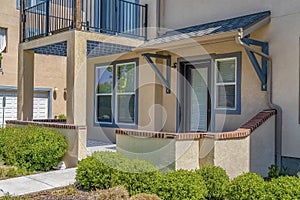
233 156
283 36
157 109
262 147
254 153
160 152
50 71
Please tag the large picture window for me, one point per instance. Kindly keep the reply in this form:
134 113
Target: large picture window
227 84
116 94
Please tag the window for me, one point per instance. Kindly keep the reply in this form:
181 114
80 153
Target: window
3 40
116 94
227 84
29 3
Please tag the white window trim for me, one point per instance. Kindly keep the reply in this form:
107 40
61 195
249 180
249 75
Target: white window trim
124 93
102 94
224 84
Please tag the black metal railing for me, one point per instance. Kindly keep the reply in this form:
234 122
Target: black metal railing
47 18
115 17
105 16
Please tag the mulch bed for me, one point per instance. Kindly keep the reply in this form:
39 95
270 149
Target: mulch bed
71 192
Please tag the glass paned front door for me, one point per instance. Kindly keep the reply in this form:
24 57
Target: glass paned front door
195 101
198 99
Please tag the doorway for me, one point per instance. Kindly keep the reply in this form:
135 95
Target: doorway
195 99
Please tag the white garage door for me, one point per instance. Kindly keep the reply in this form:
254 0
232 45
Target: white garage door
40 105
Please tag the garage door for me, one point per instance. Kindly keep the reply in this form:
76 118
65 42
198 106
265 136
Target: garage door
40 105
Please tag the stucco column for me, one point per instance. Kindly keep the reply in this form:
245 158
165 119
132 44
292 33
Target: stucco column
76 79
25 84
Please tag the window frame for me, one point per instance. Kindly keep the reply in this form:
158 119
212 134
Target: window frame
114 94
104 94
6 38
237 83
124 93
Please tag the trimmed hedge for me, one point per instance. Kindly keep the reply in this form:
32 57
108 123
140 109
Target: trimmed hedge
216 181
32 148
246 187
104 170
283 187
182 185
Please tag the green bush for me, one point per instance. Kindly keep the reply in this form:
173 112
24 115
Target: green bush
104 170
216 181
32 148
180 185
246 186
283 187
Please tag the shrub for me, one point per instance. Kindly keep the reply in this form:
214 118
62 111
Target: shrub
32 148
216 181
274 171
104 170
62 116
246 186
283 187
145 197
180 185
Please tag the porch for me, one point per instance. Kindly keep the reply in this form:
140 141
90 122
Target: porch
117 17
248 148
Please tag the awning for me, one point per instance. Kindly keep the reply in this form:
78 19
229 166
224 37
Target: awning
248 23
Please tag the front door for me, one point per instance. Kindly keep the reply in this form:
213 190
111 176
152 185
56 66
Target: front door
196 103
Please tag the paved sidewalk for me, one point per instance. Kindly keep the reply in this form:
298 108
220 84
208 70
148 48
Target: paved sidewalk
95 145
37 182
48 180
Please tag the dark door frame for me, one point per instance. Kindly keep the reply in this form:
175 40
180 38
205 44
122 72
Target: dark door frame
182 100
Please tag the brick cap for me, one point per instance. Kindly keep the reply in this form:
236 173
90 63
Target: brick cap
163 135
246 129
46 124
242 132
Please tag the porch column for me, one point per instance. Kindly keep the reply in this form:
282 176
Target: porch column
76 79
25 85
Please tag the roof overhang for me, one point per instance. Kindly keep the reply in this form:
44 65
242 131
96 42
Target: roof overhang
186 41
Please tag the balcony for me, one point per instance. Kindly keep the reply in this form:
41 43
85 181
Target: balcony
116 17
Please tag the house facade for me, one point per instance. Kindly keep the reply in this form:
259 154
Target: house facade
160 76
45 106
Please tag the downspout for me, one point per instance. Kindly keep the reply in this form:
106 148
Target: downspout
278 119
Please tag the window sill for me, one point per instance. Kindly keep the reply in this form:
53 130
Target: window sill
107 125
231 112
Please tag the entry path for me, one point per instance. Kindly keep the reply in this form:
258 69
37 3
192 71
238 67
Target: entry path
37 182
48 180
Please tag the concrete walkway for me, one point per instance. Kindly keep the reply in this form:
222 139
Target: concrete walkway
95 145
48 180
37 182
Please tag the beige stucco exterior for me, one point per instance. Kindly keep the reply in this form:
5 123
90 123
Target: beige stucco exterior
283 36
253 153
157 111
161 108
50 71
